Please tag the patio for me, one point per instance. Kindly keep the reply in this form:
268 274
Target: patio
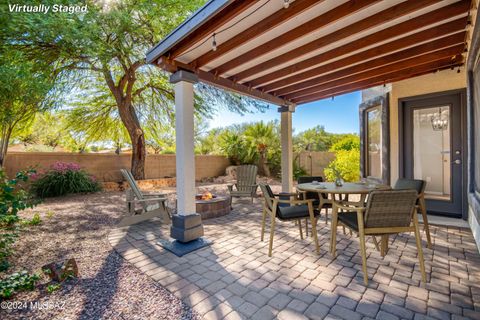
235 279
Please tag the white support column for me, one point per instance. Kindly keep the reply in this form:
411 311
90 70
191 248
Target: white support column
287 147
184 128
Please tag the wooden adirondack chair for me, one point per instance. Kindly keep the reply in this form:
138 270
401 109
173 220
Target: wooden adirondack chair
151 205
246 185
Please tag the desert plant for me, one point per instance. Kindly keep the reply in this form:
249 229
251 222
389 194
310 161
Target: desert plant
347 163
298 171
62 179
16 282
14 197
53 287
36 220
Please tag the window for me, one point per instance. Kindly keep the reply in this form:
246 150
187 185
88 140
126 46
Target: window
374 139
374 142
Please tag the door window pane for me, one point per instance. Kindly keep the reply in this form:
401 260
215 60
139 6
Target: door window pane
431 155
374 142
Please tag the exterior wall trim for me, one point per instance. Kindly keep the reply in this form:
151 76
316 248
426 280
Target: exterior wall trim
473 57
384 102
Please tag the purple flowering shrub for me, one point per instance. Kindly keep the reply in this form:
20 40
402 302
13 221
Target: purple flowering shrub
64 178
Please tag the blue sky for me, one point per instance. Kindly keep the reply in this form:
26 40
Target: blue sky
338 116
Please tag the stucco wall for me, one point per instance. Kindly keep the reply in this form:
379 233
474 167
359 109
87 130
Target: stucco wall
430 83
106 167
318 161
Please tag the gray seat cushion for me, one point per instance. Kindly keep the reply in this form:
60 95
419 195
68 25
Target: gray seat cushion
410 184
349 219
293 212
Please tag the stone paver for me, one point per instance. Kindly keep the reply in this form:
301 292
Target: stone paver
235 279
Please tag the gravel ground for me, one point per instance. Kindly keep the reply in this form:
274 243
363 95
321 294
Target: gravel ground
107 287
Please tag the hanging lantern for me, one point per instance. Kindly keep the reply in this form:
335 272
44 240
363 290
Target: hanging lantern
439 122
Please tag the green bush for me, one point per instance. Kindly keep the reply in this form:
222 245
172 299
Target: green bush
347 163
62 179
14 197
19 281
349 142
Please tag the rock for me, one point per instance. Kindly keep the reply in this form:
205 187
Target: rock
231 172
61 271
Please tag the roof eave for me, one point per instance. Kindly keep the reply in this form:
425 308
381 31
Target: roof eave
195 21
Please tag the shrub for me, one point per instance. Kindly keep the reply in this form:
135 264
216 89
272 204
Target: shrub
36 220
347 163
62 179
349 142
19 281
14 197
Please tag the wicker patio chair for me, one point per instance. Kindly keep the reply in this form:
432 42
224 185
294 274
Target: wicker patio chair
246 185
321 200
419 185
386 212
295 211
151 204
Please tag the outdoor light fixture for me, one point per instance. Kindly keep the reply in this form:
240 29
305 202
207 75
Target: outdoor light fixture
439 122
214 43
286 3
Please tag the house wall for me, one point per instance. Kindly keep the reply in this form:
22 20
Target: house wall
434 82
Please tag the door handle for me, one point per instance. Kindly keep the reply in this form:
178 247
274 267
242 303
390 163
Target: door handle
458 161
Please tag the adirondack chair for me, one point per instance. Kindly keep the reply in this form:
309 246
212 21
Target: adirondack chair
246 185
151 205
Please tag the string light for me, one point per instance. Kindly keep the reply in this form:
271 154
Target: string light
225 29
286 3
214 43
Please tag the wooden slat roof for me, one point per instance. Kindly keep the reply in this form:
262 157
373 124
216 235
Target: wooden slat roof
316 49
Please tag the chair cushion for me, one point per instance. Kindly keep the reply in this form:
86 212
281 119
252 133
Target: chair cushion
293 212
308 179
407 184
349 219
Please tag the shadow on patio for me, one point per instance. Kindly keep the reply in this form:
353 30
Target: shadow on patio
235 279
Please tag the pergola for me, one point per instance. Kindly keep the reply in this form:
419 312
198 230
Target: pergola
290 53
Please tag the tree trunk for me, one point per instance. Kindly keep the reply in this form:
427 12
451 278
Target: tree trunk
5 139
137 137
262 163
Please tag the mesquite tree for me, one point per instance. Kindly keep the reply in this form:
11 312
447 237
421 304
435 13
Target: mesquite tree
24 92
103 51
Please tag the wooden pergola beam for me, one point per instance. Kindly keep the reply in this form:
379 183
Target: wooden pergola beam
457 40
279 17
206 77
223 17
383 79
400 29
378 72
379 18
321 21
392 46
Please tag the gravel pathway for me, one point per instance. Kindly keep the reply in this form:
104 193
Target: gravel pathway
108 287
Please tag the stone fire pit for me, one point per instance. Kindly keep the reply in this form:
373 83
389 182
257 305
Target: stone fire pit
212 206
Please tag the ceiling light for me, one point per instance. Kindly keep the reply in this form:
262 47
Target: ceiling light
214 43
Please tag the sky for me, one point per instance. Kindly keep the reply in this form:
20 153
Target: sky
339 115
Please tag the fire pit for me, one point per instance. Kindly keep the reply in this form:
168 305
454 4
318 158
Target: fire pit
210 206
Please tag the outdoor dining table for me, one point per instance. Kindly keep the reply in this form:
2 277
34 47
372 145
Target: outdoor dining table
348 188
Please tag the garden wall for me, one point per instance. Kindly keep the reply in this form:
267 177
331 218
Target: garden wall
106 167
315 164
